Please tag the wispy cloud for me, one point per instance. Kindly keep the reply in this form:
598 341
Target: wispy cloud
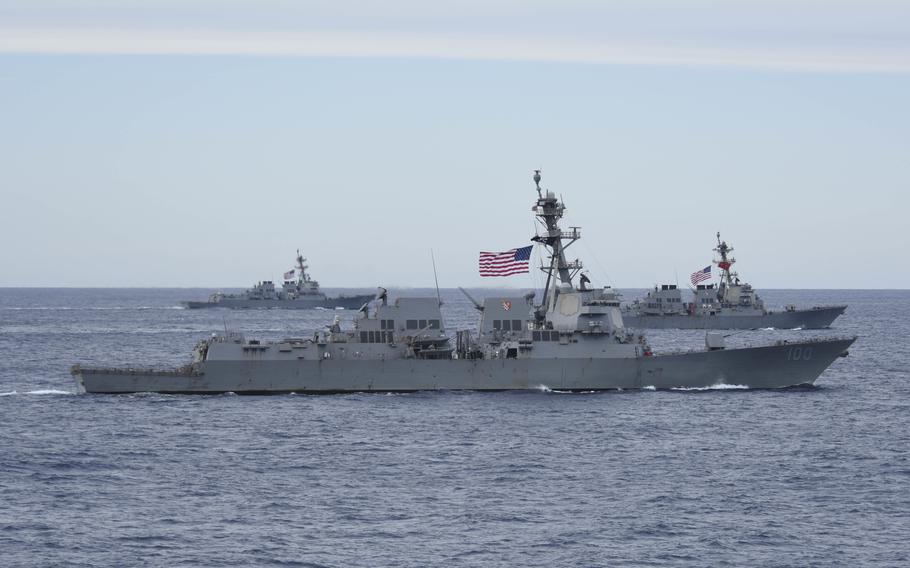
802 35
457 45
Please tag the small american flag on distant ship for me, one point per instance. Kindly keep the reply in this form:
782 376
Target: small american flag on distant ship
700 275
289 274
506 263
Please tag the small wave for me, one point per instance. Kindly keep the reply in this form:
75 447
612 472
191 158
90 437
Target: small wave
719 386
766 329
800 328
544 388
649 388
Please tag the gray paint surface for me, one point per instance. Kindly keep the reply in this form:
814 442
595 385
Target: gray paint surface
760 367
812 318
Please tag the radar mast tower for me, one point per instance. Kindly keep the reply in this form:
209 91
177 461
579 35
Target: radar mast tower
302 266
725 264
549 211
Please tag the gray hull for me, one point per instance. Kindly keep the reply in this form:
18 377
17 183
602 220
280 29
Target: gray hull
777 366
346 302
814 318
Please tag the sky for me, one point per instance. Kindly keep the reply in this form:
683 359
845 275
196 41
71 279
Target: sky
200 143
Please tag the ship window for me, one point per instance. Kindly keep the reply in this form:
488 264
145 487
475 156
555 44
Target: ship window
412 324
421 324
497 324
507 325
516 325
535 335
372 337
434 324
381 324
363 337
390 324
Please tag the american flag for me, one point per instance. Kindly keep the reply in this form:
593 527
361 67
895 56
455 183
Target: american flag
700 275
289 274
506 263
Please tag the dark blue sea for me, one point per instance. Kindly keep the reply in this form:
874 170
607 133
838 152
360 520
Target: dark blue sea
806 477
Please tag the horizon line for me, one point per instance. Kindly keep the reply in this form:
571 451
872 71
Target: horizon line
392 287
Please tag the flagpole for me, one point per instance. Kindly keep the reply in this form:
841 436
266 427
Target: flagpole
433 258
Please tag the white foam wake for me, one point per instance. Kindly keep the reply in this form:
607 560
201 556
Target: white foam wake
38 391
719 386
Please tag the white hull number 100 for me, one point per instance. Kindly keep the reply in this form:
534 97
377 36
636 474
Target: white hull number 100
799 354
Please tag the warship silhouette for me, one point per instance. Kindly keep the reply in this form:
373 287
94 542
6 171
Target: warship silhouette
295 294
574 340
731 305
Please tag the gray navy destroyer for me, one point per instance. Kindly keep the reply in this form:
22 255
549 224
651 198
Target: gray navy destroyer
731 305
574 340
300 294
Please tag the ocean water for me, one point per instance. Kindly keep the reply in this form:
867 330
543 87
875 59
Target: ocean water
805 477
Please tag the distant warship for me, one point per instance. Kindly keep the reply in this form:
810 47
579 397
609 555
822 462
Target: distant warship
573 340
299 294
731 305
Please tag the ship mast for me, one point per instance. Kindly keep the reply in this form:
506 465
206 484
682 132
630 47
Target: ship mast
301 266
725 263
549 211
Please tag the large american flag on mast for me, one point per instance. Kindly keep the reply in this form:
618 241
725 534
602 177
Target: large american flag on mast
514 261
701 275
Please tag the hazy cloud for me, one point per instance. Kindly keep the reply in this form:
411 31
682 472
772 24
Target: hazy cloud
835 35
